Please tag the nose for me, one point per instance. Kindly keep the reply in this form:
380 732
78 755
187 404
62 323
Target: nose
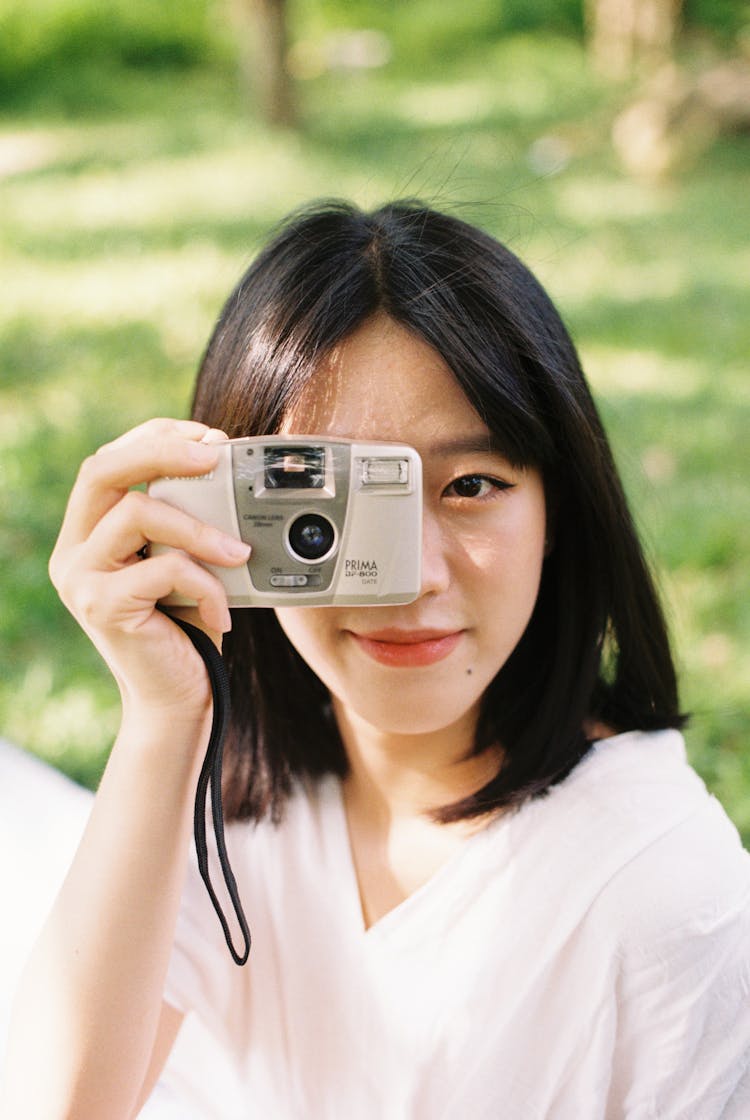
435 563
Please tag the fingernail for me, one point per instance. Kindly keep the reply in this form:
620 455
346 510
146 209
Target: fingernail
215 435
235 549
202 452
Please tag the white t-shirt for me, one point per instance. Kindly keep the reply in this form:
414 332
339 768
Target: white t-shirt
586 957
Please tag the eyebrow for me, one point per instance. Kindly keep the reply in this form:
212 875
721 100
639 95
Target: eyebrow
467 445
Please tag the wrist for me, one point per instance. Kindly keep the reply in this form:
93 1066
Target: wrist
166 733
166 703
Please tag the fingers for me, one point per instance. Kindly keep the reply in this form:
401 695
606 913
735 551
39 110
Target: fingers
138 519
154 449
113 594
215 435
192 615
124 600
94 565
158 426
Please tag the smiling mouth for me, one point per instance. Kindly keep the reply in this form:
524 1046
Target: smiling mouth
408 648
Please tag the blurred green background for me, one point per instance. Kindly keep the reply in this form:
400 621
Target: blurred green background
139 174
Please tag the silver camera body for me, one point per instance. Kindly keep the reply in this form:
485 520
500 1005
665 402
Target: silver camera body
330 521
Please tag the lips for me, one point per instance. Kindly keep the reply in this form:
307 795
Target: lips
408 648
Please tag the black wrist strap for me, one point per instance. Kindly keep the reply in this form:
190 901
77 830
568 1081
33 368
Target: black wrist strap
210 776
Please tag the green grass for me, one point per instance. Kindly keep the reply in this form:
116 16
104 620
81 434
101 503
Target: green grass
122 229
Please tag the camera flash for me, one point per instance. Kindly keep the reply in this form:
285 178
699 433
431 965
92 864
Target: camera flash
383 472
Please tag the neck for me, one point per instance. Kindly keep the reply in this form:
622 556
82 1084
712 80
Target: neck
393 776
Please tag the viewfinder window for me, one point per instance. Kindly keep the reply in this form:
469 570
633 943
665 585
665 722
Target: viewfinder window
295 468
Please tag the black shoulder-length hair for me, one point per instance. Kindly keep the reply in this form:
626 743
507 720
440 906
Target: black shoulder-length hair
596 646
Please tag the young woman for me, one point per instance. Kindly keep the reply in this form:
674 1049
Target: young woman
481 877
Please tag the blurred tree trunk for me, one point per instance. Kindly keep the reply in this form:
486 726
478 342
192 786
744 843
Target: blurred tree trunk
629 35
262 26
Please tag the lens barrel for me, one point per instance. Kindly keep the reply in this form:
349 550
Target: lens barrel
311 536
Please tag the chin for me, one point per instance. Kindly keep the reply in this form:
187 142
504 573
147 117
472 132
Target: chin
405 715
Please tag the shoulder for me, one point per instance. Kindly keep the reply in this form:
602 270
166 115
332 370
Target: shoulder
633 835
689 886
683 875
638 783
674 915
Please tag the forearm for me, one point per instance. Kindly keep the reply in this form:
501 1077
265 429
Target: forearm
88 1006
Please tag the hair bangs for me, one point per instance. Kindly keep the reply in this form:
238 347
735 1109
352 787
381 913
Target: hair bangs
313 285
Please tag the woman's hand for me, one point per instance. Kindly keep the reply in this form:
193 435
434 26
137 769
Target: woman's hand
98 569
89 1005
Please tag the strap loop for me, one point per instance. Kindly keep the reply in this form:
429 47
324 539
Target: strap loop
210 776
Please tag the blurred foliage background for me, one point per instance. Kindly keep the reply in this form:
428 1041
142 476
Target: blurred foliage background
141 168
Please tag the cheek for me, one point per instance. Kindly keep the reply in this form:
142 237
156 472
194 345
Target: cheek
508 554
312 635
501 574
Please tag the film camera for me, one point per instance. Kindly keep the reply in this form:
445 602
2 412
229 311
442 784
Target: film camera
329 521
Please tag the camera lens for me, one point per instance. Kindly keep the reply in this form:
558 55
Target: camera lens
311 536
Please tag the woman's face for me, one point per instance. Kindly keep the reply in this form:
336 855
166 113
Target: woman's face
423 667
